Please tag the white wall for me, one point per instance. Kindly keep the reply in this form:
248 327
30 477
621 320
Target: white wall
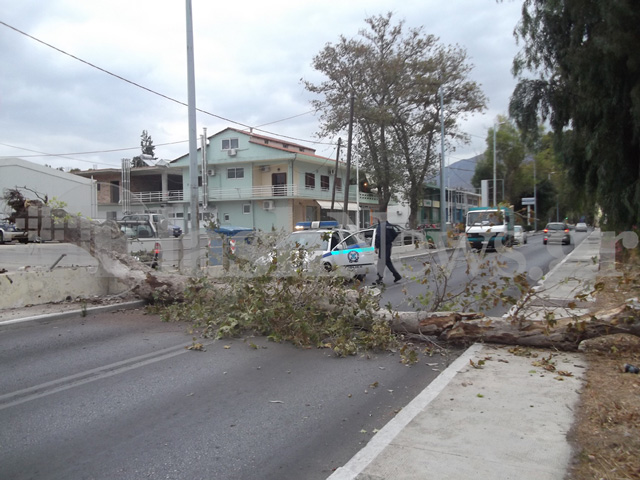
77 192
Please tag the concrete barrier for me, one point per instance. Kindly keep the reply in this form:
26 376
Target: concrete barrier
39 285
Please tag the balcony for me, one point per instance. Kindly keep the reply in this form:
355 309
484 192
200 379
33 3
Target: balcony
264 192
271 192
158 196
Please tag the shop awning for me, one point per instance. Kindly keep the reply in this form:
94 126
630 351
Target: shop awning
326 205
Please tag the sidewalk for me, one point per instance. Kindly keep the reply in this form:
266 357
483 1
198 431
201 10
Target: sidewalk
508 419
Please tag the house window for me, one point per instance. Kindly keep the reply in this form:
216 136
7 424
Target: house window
339 184
246 208
237 172
324 182
115 191
310 180
229 143
226 217
199 180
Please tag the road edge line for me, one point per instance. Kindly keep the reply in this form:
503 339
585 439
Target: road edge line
385 436
80 312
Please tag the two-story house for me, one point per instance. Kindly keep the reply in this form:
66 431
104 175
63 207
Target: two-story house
154 189
255 181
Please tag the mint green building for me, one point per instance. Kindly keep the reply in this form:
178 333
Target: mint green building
251 180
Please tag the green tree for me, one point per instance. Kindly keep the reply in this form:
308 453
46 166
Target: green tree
509 155
394 76
579 68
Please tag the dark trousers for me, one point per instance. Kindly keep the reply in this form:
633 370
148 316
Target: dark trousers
384 259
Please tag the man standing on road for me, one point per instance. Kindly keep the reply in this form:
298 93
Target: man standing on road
385 235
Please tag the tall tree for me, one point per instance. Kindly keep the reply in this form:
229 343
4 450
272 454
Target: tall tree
395 76
585 62
509 155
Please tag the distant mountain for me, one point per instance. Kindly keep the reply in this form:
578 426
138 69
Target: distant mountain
458 175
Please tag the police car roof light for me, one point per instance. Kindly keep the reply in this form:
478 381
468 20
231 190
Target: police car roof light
316 224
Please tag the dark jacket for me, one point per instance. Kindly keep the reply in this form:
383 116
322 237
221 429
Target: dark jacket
390 234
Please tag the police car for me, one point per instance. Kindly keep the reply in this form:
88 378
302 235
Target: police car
325 244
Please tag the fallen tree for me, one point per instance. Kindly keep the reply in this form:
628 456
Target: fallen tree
297 299
563 333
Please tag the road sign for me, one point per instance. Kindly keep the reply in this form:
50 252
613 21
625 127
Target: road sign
528 200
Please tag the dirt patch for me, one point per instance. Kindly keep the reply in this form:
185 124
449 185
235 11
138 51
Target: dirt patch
606 433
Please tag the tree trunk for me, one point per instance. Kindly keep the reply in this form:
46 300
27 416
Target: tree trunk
563 334
108 245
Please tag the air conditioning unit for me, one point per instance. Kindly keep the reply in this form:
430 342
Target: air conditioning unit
268 205
265 168
232 152
211 172
332 171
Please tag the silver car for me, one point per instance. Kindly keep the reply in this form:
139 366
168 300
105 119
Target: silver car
519 235
9 232
557 232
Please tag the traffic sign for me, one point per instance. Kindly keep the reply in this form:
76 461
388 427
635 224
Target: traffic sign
528 200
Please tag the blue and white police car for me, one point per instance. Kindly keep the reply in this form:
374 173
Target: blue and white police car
335 249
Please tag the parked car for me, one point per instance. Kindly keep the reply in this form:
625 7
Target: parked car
174 230
581 227
519 235
405 236
147 225
408 237
9 232
557 232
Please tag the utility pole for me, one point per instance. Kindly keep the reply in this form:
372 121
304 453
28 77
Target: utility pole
193 145
348 179
495 186
335 174
535 198
443 193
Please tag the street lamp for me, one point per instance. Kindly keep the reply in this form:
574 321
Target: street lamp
443 194
495 127
557 199
535 198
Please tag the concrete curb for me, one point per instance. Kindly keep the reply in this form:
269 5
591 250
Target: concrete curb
385 436
77 312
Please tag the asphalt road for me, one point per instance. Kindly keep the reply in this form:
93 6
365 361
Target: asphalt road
533 259
119 396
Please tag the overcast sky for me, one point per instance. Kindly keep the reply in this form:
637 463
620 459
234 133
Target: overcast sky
250 58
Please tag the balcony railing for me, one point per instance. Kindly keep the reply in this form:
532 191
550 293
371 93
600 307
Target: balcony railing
158 197
264 192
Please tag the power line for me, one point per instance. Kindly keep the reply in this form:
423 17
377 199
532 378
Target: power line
166 97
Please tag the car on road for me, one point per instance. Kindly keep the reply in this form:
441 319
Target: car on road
557 232
519 235
9 232
174 231
581 227
331 248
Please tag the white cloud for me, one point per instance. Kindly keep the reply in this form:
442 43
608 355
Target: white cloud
249 59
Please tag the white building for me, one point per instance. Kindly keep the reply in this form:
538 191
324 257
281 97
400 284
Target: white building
79 194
